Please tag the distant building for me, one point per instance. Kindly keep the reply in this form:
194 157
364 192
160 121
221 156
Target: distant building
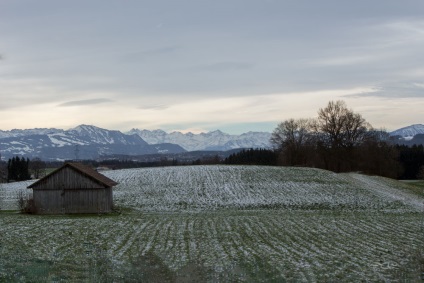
73 188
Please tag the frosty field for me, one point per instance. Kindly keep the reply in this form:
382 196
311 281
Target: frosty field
224 223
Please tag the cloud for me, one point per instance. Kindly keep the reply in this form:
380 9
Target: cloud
224 66
395 90
85 102
179 64
344 60
145 54
153 107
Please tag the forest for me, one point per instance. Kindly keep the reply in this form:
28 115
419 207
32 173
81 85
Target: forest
338 140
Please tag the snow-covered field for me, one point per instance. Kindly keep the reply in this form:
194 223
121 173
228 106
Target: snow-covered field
224 223
241 187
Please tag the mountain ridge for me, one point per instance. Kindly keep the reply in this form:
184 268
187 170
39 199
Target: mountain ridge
213 140
83 141
88 141
409 132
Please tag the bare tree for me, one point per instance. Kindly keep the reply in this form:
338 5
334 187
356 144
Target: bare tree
340 125
291 138
340 130
37 168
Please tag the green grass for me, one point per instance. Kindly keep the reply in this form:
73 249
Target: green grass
415 186
230 245
225 224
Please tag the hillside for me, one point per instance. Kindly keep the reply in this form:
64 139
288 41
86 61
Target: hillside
243 187
199 188
407 133
224 223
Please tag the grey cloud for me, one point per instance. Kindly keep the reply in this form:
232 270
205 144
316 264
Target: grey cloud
225 66
153 107
205 48
145 54
84 102
397 90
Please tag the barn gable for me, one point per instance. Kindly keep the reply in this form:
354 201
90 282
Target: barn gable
72 176
73 188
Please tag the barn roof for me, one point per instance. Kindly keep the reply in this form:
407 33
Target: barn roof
85 170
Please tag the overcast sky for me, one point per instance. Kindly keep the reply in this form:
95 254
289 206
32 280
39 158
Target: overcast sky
194 65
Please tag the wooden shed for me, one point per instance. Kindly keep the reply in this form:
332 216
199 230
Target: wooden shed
73 188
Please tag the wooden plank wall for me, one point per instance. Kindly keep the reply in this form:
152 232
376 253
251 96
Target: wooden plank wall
49 201
73 201
70 191
67 178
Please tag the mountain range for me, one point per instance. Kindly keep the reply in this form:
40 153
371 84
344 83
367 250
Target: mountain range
90 142
408 133
215 140
409 136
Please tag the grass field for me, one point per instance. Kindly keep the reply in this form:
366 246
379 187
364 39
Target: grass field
224 224
417 186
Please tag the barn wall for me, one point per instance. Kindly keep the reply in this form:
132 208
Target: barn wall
88 201
73 201
67 178
49 201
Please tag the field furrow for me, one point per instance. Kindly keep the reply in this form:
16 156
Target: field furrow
223 224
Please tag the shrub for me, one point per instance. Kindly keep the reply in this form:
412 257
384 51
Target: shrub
26 205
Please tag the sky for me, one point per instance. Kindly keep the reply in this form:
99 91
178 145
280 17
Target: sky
196 65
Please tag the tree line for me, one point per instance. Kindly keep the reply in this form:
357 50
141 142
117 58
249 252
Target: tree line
17 169
21 169
412 160
252 156
339 140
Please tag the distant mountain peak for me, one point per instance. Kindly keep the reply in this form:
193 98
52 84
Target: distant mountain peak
84 127
39 141
213 140
409 132
217 132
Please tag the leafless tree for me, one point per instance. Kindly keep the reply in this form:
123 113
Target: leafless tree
340 130
37 168
340 126
292 138
339 140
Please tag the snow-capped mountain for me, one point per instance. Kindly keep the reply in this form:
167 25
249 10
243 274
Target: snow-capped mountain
20 133
215 140
407 133
88 135
84 141
90 142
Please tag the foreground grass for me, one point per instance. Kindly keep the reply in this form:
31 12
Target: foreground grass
226 245
416 186
224 224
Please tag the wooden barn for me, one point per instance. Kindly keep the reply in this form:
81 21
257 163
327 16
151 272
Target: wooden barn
73 188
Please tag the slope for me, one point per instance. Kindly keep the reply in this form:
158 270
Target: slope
224 224
256 187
